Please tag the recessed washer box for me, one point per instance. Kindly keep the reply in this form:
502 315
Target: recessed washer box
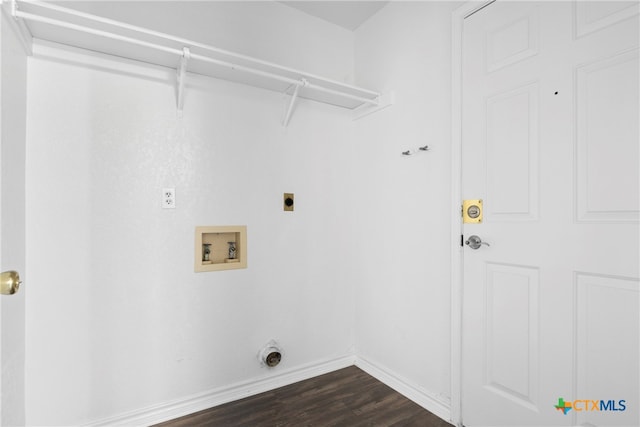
220 247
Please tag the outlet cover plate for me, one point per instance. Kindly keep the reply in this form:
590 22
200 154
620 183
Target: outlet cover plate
168 198
288 202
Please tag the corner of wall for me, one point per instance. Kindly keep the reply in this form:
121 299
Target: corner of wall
433 403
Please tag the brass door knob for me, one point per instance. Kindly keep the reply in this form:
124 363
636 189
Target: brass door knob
9 282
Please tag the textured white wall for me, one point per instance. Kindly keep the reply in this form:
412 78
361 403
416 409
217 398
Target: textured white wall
117 319
402 233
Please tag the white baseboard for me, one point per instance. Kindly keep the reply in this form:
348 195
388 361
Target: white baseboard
431 403
209 399
198 402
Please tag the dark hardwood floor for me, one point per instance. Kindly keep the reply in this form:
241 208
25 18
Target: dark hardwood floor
348 397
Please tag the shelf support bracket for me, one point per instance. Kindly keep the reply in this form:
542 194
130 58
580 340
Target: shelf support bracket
292 102
385 100
182 74
22 31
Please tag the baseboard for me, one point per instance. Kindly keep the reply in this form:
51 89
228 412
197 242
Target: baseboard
198 402
209 399
431 403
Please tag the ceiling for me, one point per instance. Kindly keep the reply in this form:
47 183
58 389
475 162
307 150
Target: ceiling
346 14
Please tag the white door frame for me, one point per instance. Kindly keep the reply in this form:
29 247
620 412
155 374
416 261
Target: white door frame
457 20
12 113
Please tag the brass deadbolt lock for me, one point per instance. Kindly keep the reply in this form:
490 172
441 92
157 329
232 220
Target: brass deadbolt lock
288 201
472 211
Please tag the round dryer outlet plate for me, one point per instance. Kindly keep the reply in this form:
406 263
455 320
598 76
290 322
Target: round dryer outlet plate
270 355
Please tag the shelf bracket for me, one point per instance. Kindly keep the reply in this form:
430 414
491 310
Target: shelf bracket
292 102
22 31
385 100
182 75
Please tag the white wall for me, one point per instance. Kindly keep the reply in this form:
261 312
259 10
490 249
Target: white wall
117 319
403 230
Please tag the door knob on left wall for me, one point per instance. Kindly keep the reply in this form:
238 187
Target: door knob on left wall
9 282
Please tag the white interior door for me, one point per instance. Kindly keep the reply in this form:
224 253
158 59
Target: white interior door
13 68
550 143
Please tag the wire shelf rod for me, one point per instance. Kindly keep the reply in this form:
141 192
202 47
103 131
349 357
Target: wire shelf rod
191 43
179 53
76 27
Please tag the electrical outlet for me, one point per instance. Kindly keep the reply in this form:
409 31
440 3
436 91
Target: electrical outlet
288 202
168 198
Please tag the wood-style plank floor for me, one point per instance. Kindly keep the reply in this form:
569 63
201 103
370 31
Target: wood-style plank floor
348 397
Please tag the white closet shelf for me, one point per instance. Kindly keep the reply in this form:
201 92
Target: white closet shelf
58 24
